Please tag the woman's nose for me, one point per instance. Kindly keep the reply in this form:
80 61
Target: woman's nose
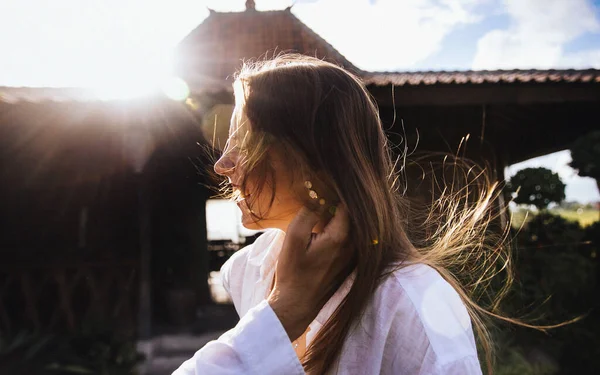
225 165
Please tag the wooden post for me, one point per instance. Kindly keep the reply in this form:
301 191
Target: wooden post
500 165
200 260
145 276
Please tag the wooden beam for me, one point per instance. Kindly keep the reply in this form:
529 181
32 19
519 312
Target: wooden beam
479 94
518 132
145 299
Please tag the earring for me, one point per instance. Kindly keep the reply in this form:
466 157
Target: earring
313 195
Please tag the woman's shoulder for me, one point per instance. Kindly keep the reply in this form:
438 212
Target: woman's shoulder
420 305
422 286
418 282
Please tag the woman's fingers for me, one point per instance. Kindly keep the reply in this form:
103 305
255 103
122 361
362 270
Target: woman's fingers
309 269
338 227
299 232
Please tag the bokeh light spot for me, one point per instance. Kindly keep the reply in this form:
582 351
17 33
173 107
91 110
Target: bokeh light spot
175 88
443 311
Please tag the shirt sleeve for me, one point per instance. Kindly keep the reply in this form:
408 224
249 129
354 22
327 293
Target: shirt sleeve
258 344
224 272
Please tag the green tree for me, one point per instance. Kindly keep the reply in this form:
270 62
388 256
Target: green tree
536 186
585 155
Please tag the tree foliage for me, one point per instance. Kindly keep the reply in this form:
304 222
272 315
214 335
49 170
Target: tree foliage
536 186
585 155
556 280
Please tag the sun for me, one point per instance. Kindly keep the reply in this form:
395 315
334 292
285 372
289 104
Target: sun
129 78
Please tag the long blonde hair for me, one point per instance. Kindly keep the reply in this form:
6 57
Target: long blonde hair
328 125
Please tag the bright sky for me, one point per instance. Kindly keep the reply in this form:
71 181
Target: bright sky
578 189
128 43
100 42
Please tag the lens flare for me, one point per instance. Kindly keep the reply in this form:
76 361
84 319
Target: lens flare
175 88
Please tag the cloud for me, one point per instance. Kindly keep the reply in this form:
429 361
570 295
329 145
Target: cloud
387 34
582 59
537 36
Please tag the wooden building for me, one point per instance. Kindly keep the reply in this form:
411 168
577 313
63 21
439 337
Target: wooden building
102 208
510 116
102 202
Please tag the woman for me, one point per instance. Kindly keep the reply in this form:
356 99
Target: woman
305 133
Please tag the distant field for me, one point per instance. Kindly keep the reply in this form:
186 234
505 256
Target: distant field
585 217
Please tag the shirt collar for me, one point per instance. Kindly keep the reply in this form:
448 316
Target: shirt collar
265 259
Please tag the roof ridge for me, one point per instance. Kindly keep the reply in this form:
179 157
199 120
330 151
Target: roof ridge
485 71
215 12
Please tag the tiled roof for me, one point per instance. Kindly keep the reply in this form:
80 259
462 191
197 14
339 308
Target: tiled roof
480 77
217 47
34 94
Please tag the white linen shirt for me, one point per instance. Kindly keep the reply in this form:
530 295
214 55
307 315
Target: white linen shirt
415 324
257 345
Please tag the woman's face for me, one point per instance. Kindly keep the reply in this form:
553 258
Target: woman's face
285 204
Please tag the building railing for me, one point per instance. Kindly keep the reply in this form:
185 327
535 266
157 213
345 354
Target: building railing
65 297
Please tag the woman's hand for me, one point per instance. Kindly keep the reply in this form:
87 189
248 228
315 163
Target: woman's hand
310 268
